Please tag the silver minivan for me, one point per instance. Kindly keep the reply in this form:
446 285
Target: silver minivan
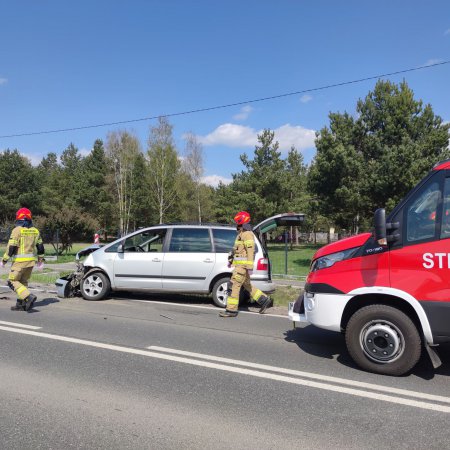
177 259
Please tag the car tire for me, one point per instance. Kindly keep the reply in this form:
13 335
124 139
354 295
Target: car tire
95 286
220 292
383 339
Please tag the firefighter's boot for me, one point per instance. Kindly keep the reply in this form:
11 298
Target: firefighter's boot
29 302
18 306
227 313
264 302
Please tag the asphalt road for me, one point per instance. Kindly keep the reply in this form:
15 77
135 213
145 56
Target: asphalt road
153 374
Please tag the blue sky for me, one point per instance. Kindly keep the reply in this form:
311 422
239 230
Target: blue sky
75 64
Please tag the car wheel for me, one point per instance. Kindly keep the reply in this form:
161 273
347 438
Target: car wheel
220 292
95 286
383 339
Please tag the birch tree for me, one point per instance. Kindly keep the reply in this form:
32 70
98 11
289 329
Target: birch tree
193 165
122 150
164 167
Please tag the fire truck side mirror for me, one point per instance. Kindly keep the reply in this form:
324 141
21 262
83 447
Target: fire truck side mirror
380 226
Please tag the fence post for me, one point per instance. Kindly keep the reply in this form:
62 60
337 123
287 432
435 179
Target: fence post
285 252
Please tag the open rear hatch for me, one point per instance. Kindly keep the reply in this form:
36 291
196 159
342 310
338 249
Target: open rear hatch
280 220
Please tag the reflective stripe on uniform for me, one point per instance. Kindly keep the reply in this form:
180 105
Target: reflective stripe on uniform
257 295
249 243
29 232
242 263
13 242
232 301
20 290
24 259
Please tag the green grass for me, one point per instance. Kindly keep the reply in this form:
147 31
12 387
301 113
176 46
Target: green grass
298 259
47 276
50 251
285 294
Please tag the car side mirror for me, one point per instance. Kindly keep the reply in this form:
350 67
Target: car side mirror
120 248
380 226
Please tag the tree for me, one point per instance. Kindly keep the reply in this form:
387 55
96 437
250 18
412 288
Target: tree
142 213
164 167
72 176
122 149
374 159
97 198
193 165
19 187
263 180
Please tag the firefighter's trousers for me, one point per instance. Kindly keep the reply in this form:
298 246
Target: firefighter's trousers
18 278
241 278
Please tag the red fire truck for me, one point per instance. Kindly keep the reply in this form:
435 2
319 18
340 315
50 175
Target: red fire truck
388 291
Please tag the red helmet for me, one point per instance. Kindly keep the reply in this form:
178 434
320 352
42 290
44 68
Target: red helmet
23 213
242 217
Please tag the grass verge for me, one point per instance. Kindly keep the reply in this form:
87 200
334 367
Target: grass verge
285 294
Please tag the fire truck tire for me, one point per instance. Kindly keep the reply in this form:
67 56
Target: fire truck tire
95 286
383 339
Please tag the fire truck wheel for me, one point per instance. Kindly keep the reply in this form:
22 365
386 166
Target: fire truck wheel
383 339
95 286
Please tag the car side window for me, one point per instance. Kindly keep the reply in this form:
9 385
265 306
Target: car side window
146 241
223 240
190 240
421 213
445 226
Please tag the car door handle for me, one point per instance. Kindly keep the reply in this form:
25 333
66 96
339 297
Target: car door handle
208 260
156 260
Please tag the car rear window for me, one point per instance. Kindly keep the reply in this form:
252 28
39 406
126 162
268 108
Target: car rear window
190 240
223 240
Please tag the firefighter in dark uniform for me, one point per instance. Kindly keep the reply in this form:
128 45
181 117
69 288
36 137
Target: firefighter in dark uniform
241 258
22 245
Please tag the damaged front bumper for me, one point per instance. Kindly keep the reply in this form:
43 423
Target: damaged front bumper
69 286
296 310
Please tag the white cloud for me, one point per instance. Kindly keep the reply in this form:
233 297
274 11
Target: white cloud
35 160
244 113
297 136
305 98
433 61
3 81
84 152
232 135
213 180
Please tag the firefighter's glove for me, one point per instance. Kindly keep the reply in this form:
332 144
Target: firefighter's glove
3 263
230 260
40 265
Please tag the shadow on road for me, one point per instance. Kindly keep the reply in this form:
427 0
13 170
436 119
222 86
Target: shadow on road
330 345
43 302
194 299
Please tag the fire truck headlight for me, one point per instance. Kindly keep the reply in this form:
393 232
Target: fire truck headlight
329 260
310 303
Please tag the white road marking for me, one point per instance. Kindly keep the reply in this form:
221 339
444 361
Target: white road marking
14 324
315 376
211 308
239 370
